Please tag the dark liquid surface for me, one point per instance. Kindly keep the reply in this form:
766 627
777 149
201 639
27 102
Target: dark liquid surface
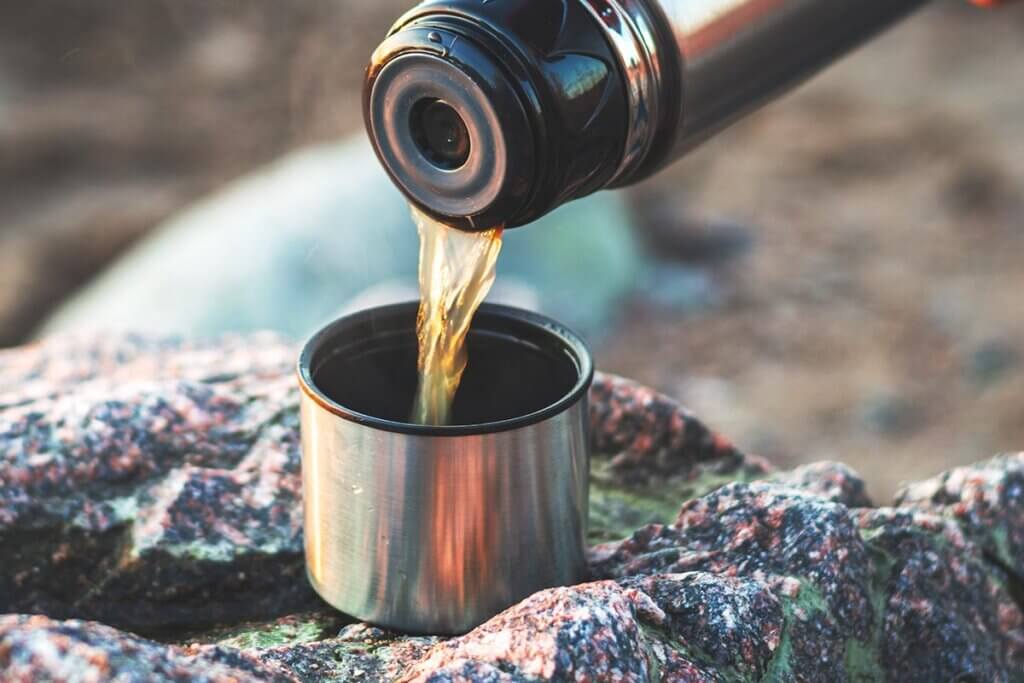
506 377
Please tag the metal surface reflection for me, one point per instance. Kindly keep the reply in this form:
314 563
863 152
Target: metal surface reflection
735 55
435 533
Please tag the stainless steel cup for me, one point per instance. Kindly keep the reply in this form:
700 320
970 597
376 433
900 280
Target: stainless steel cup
436 529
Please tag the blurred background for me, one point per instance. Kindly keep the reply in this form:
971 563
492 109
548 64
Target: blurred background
836 277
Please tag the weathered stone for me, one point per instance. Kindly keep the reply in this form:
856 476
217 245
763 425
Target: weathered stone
986 499
944 612
831 480
358 653
38 648
151 489
654 438
154 484
762 530
652 454
704 625
560 634
731 624
289 631
805 547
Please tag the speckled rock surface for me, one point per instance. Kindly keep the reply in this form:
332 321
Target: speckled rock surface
154 485
805 547
831 480
37 648
150 485
987 499
944 612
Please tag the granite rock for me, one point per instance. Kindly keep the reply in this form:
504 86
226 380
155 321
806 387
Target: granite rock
35 648
833 481
806 548
153 484
986 499
945 612
655 439
151 489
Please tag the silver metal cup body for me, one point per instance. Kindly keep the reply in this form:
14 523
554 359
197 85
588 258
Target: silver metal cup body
438 534
429 533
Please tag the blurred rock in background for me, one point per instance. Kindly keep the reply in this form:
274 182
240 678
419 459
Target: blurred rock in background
878 316
324 230
843 266
113 116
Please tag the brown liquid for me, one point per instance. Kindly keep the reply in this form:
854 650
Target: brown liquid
457 270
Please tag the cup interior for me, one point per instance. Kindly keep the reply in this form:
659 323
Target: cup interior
521 366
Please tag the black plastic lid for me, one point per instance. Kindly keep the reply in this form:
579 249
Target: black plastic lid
494 113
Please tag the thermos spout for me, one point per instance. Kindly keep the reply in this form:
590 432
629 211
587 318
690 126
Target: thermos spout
495 113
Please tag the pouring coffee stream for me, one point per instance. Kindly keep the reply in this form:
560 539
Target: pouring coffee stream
457 270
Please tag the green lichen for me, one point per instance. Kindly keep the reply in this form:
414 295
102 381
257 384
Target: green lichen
862 665
618 509
616 513
862 660
221 551
281 634
120 511
863 657
201 550
658 640
808 603
710 481
294 630
997 541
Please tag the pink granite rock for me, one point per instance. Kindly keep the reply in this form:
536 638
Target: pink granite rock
155 485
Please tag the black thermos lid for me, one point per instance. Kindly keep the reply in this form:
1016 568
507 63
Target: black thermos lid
488 114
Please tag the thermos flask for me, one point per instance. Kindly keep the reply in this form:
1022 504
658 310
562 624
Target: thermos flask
495 112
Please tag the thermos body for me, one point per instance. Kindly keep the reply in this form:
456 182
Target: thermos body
702 64
488 113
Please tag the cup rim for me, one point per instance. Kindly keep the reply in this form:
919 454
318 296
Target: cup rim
569 340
